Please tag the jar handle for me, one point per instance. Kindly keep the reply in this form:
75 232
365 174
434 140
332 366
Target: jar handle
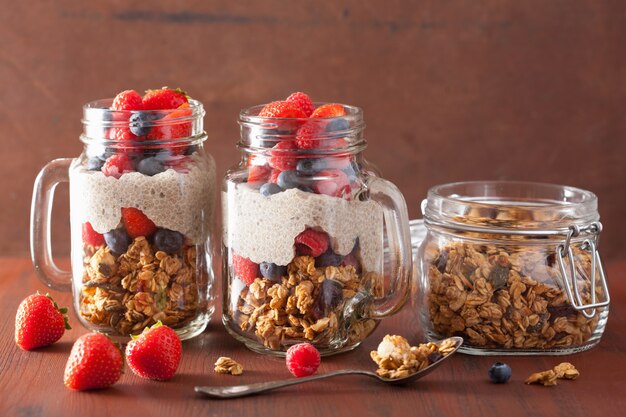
396 219
49 177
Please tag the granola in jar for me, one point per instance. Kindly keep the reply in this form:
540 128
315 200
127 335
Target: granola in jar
510 277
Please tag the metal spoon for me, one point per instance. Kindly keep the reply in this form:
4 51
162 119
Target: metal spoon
244 390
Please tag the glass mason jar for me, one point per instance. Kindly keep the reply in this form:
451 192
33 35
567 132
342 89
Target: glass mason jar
303 236
512 267
141 214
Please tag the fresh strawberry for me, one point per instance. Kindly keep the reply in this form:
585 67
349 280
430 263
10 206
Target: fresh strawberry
332 182
155 353
258 173
39 322
303 102
91 237
245 269
329 110
172 127
312 242
94 362
281 156
164 99
282 109
136 223
128 100
116 165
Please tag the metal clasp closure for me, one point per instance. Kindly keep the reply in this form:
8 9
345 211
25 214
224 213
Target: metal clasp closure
571 282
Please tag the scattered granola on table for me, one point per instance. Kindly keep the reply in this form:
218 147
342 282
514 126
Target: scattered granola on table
226 365
564 370
304 305
505 296
397 359
140 287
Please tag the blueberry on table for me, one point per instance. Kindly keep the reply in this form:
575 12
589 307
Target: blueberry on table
272 271
168 241
151 166
500 372
269 188
117 240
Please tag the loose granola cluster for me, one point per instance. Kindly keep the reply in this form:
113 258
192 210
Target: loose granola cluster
226 365
306 305
505 297
397 359
564 370
139 287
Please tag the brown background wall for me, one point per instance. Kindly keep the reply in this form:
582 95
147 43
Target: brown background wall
452 90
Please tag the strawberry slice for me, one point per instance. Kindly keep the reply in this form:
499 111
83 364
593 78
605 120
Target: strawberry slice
282 109
164 99
91 237
281 158
312 243
137 223
258 173
245 269
333 182
329 110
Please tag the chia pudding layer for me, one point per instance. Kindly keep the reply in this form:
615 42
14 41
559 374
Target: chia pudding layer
178 199
263 228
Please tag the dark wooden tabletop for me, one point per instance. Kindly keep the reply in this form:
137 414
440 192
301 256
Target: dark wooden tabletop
31 383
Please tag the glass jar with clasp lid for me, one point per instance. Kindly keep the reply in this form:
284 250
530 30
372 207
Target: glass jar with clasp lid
512 267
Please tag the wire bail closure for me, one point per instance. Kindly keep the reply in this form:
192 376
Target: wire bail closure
571 283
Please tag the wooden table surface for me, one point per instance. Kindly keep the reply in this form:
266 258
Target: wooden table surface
31 383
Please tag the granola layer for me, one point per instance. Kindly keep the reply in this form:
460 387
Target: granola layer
136 289
306 305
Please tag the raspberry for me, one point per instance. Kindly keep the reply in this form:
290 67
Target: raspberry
308 136
312 243
281 158
303 102
137 223
127 100
333 182
274 175
116 165
91 237
302 359
164 99
258 173
245 269
123 134
282 109
329 110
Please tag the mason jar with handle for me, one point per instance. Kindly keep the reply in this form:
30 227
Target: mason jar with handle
141 209
305 221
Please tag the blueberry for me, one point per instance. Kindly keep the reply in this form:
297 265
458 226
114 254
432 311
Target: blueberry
150 166
338 124
288 179
272 271
117 240
95 164
434 357
328 258
500 372
140 123
309 166
269 188
168 241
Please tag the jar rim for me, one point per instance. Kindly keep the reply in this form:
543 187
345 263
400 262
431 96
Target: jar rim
98 116
510 205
